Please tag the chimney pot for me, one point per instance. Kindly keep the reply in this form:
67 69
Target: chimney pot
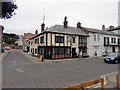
78 25
42 27
103 27
111 27
36 32
65 22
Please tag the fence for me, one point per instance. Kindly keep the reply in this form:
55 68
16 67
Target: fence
97 82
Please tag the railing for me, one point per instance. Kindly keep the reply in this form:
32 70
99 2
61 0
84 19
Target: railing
82 86
100 81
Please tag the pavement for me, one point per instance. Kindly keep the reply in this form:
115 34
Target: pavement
36 59
3 55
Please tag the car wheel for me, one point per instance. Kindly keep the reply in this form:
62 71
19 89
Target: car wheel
105 61
116 61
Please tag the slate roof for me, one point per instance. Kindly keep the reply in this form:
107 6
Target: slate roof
69 30
101 31
113 29
60 29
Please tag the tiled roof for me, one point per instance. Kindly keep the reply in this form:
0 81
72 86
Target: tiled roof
28 35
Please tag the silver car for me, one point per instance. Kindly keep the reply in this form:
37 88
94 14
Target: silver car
112 58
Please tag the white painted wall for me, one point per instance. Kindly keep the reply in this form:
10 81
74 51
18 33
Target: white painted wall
19 41
98 45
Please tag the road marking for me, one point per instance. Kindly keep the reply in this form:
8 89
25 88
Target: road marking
19 70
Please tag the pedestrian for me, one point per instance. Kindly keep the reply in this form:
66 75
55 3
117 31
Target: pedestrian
95 54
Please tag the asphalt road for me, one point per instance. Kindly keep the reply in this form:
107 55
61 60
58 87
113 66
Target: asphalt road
18 71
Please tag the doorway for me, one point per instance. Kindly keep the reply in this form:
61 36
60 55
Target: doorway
113 49
73 52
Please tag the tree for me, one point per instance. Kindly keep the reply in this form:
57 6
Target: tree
8 9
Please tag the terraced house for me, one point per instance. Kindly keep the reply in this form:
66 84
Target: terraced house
102 41
59 41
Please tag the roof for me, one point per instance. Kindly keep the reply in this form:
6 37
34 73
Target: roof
60 29
113 29
28 35
69 30
75 31
101 31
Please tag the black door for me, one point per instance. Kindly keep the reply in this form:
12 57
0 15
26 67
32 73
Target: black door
113 49
73 52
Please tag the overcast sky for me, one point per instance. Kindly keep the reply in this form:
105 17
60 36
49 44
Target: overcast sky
91 13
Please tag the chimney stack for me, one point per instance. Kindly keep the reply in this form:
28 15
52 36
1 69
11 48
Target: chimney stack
65 22
103 27
42 27
111 27
78 25
36 32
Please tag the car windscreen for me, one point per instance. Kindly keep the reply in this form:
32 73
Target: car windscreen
112 54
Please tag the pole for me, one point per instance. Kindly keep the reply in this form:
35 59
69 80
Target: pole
117 81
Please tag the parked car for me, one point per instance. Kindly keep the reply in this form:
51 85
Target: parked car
7 48
112 58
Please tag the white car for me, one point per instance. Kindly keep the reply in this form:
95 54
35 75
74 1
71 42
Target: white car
7 48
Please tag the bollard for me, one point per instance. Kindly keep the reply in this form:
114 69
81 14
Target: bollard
117 81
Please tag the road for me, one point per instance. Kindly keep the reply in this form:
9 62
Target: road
18 71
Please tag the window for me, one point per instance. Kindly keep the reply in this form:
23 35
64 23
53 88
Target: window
42 39
118 41
67 50
106 40
35 50
61 51
112 39
35 41
38 41
73 39
98 37
59 39
82 40
95 37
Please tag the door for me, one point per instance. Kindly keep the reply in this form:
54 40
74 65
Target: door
73 52
113 49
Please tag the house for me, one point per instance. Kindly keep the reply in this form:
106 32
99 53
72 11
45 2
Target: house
19 41
102 41
116 29
59 41
25 39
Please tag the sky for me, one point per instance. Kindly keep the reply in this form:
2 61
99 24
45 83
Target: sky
91 14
